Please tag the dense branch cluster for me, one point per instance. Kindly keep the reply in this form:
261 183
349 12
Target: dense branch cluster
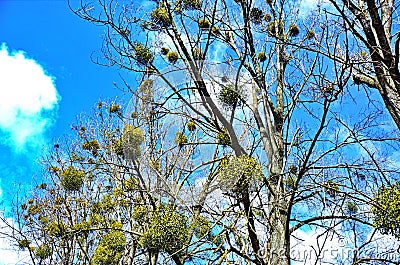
250 123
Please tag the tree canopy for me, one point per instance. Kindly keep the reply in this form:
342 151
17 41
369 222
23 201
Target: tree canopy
251 124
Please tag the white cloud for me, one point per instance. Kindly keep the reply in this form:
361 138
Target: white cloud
9 255
308 6
28 99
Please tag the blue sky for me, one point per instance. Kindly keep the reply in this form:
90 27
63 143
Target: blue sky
46 79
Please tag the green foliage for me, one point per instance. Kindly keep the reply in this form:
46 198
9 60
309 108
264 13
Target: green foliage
202 226
229 96
140 213
351 207
117 147
131 184
256 15
310 34
292 169
290 181
43 251
387 210
331 187
293 30
189 4
42 186
267 17
262 56
172 57
72 179
164 50
106 205
146 89
110 249
114 108
204 23
156 165
142 54
82 226
181 139
56 229
191 126
223 138
92 145
33 209
132 138
238 174
161 16
168 231
197 54
275 27
215 31
23 243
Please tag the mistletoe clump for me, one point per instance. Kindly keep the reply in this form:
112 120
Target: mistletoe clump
72 179
229 96
351 207
202 226
191 126
197 53
23 243
131 184
290 181
310 34
189 4
262 56
172 57
92 145
267 17
43 251
164 50
106 205
110 249
331 187
239 174
117 148
256 15
142 54
275 27
132 138
293 30
146 89
56 229
168 231
387 210
33 209
181 139
161 16
215 31
114 108
204 23
223 138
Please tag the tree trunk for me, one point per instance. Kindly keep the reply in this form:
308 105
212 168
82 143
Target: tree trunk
278 250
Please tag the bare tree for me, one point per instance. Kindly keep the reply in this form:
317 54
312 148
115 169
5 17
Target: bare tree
240 135
374 26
